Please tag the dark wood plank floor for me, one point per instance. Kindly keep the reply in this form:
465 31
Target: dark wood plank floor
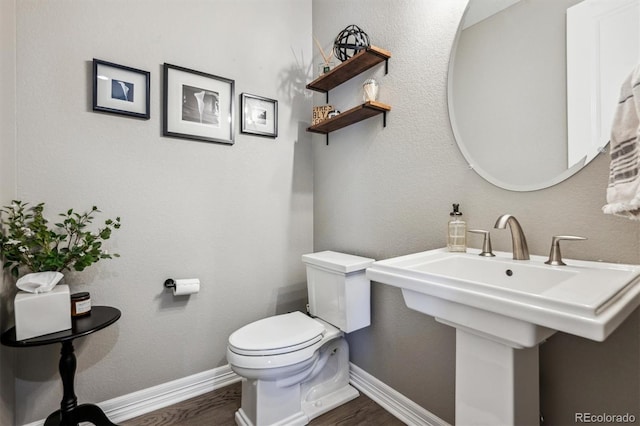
218 408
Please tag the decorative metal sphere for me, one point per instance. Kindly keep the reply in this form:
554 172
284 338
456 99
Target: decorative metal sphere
350 41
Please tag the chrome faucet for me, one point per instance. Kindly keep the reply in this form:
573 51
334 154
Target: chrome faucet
518 241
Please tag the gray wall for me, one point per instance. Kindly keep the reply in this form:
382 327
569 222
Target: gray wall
238 217
387 192
7 189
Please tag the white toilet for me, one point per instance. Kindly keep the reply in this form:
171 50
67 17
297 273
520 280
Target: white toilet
296 367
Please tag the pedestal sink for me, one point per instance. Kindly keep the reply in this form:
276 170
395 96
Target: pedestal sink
502 309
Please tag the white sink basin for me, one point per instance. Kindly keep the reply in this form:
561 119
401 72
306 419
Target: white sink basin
502 309
519 302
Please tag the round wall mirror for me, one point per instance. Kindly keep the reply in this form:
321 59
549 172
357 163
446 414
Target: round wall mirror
528 105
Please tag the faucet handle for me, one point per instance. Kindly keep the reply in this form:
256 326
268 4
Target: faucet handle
555 257
486 243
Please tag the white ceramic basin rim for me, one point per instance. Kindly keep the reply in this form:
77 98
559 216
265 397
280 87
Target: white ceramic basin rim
584 298
579 288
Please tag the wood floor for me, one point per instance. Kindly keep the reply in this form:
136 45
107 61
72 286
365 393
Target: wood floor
217 408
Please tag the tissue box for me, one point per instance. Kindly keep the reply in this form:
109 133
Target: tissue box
42 313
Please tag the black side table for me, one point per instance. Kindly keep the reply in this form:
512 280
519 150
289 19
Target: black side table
70 413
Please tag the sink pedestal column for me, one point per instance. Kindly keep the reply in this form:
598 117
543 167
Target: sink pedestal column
496 384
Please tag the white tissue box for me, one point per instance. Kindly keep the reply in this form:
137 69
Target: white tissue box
42 313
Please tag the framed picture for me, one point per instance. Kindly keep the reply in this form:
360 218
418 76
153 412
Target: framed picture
120 90
197 105
259 115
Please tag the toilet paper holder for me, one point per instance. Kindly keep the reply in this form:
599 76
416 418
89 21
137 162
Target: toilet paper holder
183 287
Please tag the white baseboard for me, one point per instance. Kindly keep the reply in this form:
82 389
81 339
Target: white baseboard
154 398
147 400
391 400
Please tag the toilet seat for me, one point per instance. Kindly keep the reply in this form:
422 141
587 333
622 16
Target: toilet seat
297 337
277 335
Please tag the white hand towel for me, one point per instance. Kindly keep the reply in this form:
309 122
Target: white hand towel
623 191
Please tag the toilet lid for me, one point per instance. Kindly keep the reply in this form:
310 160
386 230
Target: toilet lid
276 335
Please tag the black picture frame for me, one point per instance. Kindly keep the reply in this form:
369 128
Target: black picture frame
119 89
259 115
197 105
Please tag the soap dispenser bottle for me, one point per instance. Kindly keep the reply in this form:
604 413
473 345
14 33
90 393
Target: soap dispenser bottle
457 231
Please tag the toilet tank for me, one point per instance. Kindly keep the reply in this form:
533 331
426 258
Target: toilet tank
339 292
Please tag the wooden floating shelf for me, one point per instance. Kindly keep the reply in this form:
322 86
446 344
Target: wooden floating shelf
358 113
348 69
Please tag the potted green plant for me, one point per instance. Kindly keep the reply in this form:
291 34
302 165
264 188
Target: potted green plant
37 253
29 244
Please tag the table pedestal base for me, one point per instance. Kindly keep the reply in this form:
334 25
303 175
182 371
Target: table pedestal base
70 413
82 413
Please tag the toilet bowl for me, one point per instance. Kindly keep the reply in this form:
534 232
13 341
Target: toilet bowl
282 384
295 367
